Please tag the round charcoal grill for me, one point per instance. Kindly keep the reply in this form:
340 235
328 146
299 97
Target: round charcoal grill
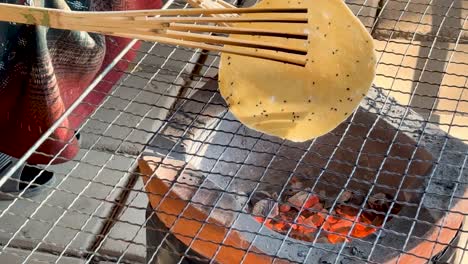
163 155
231 162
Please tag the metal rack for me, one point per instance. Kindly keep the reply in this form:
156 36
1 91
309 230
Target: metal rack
166 105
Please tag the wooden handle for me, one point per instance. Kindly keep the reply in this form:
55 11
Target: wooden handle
30 15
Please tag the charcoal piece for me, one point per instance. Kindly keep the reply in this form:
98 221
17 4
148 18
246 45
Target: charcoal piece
285 208
378 202
300 198
295 187
266 208
345 197
260 195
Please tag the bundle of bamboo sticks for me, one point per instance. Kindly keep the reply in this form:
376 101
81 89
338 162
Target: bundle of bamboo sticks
193 27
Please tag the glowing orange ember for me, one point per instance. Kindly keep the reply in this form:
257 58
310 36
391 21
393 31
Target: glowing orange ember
313 200
339 226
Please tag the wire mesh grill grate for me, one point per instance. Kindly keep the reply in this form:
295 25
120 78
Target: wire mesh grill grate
166 105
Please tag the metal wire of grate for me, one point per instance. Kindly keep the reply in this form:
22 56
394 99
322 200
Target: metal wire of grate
408 140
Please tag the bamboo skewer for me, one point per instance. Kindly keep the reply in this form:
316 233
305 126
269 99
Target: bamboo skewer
234 30
27 12
234 42
228 20
163 26
213 4
192 11
210 4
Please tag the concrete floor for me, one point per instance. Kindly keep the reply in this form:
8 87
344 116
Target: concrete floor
72 218
69 218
